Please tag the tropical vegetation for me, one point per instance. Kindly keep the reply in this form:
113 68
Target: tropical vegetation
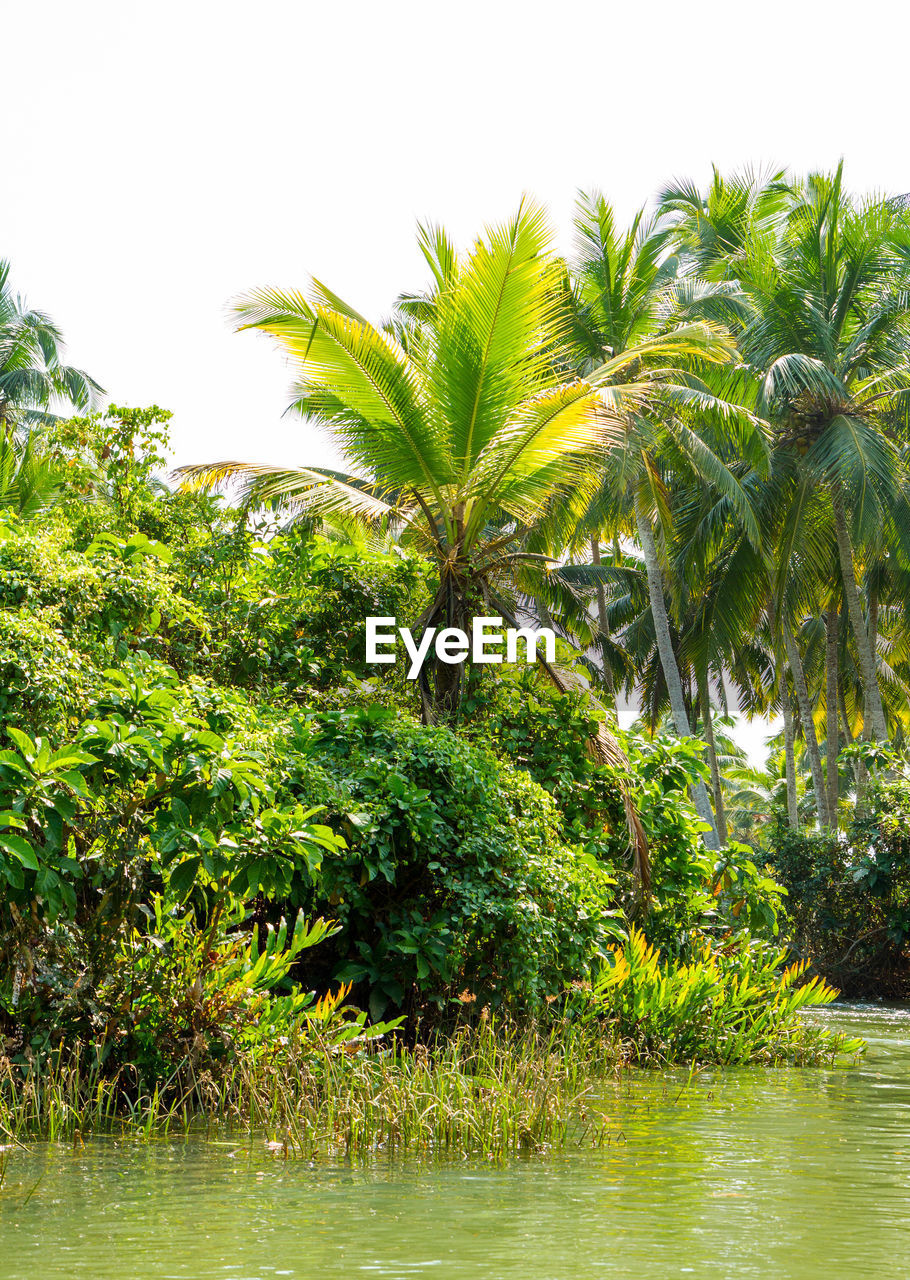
236 854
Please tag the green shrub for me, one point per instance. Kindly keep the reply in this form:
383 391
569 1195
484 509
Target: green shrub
290 612
849 895
729 1005
181 999
114 597
546 732
44 681
144 797
457 882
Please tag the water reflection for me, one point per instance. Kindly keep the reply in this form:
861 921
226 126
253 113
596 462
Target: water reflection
780 1173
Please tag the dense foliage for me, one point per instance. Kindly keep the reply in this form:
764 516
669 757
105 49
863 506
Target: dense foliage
730 1005
194 751
684 451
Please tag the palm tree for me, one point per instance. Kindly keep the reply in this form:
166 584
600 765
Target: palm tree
458 427
29 480
756 796
626 296
823 322
32 376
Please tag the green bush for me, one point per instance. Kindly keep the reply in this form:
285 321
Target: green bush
849 895
290 611
143 797
181 999
730 1005
114 597
457 882
546 732
44 681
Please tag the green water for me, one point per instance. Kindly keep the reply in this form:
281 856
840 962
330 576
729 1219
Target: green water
789 1174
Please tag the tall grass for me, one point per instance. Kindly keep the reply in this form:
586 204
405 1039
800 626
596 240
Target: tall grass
488 1089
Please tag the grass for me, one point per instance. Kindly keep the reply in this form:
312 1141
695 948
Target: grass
488 1089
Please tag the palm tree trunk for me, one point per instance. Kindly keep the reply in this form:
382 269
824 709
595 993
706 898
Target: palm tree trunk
873 638
832 745
860 776
704 697
441 683
845 719
789 758
808 724
841 699
668 661
873 620
602 619
878 728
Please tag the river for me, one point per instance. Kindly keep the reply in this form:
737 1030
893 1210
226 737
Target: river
792 1174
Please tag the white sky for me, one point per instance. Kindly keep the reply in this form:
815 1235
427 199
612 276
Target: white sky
160 158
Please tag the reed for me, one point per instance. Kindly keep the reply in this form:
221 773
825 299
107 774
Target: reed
486 1089
491 1088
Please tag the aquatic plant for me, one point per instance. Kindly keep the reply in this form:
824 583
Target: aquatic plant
492 1088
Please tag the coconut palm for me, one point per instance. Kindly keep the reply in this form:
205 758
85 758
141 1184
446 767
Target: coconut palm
29 480
453 420
32 376
824 323
625 295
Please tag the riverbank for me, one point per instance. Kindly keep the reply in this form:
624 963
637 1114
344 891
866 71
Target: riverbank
488 1089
